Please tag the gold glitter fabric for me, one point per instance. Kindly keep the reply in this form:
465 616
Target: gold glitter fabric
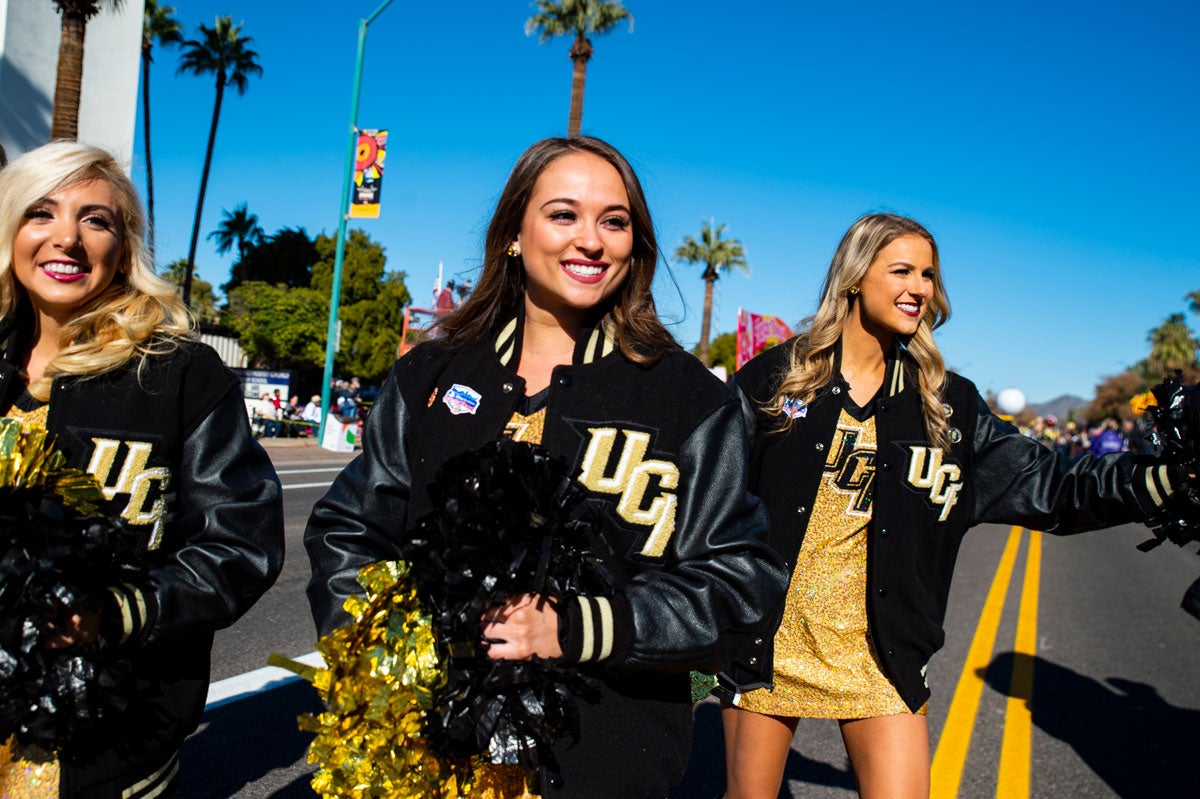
527 429
26 778
381 672
825 666
35 417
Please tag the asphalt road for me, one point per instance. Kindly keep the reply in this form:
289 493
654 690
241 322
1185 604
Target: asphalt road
1070 671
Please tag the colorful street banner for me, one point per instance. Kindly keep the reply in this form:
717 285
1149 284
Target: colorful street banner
758 332
368 174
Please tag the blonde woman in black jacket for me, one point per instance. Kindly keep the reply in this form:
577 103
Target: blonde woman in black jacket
873 462
100 352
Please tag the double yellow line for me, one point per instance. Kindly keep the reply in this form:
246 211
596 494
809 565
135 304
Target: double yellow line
955 740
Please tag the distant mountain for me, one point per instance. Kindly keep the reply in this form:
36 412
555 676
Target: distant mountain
1060 407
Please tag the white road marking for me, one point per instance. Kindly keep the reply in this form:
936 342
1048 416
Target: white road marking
306 485
241 686
309 471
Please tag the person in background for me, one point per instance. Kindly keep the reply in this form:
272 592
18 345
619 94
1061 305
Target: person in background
874 461
312 413
1135 440
560 345
1107 440
100 352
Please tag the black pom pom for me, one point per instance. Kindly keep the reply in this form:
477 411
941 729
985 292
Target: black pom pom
508 521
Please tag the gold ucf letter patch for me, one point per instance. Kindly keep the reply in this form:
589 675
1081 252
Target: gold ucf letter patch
630 478
135 480
942 479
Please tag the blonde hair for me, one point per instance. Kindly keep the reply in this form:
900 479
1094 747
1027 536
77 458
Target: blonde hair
812 354
138 315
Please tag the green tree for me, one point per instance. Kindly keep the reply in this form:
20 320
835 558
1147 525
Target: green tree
68 81
204 301
284 258
221 51
363 263
718 255
238 228
722 352
1172 346
580 19
1193 299
158 25
371 330
279 327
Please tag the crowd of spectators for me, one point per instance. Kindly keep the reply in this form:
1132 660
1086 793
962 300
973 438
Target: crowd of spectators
1072 439
271 416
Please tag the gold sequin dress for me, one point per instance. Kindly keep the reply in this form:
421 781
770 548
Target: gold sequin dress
27 777
825 665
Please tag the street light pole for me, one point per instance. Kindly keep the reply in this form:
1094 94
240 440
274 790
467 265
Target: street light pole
335 292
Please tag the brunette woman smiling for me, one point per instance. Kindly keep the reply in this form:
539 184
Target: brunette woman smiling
560 345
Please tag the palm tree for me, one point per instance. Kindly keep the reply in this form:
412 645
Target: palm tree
69 78
158 25
718 255
222 51
1172 346
578 18
238 227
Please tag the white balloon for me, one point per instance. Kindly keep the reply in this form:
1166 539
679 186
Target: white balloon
1011 401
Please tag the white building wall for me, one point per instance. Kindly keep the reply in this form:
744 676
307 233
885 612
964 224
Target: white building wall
29 38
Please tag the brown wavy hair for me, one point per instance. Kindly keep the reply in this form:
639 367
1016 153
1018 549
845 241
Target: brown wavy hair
138 315
811 364
501 289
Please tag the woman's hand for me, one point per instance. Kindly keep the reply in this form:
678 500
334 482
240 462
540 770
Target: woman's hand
71 628
521 628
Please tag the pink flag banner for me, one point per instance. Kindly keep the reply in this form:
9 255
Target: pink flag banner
758 332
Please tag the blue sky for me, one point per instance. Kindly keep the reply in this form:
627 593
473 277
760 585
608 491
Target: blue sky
1051 150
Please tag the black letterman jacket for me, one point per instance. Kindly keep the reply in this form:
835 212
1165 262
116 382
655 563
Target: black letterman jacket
924 499
701 578
171 446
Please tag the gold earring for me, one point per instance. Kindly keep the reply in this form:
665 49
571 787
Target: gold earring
513 251
854 291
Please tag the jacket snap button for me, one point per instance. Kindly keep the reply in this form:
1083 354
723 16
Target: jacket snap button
837 389
507 388
891 653
882 592
753 661
801 510
883 533
820 447
883 407
758 642
565 380
887 467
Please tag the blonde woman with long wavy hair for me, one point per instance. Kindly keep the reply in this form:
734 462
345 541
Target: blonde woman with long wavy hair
873 461
99 351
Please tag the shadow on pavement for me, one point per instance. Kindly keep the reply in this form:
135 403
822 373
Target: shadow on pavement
1126 733
705 777
241 742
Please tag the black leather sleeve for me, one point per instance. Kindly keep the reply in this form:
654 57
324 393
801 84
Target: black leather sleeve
1018 481
723 583
362 517
227 533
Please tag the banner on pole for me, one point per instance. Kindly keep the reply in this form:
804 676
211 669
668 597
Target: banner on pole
758 332
368 174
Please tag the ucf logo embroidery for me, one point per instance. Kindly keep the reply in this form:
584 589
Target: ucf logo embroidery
943 480
851 469
134 480
629 479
